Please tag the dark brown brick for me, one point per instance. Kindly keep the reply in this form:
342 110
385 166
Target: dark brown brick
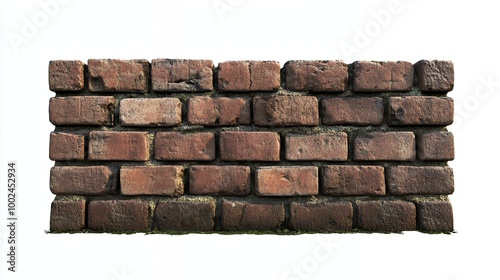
330 147
217 111
123 145
186 215
435 75
66 75
375 76
219 180
321 216
248 76
420 110
435 216
66 146
67 215
150 111
342 180
84 180
239 215
316 75
178 146
115 75
353 111
391 216
152 180
403 180
82 110
190 75
373 146
285 110
118 215
287 181
435 146
249 146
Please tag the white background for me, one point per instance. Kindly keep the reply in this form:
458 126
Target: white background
465 32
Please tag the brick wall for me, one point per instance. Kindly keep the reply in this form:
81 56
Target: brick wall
315 146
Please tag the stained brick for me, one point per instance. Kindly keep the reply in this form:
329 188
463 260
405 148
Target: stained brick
66 146
391 216
82 110
150 112
118 215
287 181
316 75
248 76
352 111
178 146
373 146
249 146
219 180
113 145
420 110
188 75
374 76
152 180
403 180
321 216
211 111
329 147
435 75
84 180
195 215
435 216
239 215
115 75
285 110
66 215
435 146
66 75
342 180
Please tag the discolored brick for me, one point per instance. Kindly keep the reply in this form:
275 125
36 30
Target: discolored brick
435 146
435 216
239 215
66 75
82 180
404 180
218 111
420 110
177 146
285 110
321 216
286 181
119 145
150 112
219 180
316 75
435 75
182 75
152 180
375 76
67 215
248 76
115 75
185 215
249 146
66 146
82 110
345 180
118 215
374 146
391 216
328 147
352 111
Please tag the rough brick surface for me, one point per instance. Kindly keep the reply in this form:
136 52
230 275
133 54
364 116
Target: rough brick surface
316 75
150 112
391 216
219 180
252 216
285 110
342 180
374 146
82 110
248 76
249 146
185 215
403 180
179 75
67 215
113 145
377 76
114 75
328 147
152 180
219 111
435 146
185 146
66 75
435 216
420 110
84 180
435 75
321 216
118 215
66 146
352 111
287 181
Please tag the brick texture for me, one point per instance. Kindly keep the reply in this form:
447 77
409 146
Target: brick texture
114 75
66 146
185 215
123 146
373 146
328 147
118 215
321 216
420 110
178 146
219 111
153 180
182 75
316 75
346 180
435 216
82 110
249 146
374 76
403 180
390 216
67 215
66 75
252 216
287 181
435 75
435 146
286 111
150 112
357 111
219 180
84 180
248 76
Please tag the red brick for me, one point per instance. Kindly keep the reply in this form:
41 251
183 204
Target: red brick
118 215
287 181
185 215
353 111
435 146
375 76
66 75
403 180
249 146
114 75
150 111
420 110
248 76
82 110
435 75
67 216
390 216
435 216
342 180
316 75
321 216
84 180
240 215
177 146
219 180
211 111
190 75
373 146
114 145
321 146
152 180
66 146
285 110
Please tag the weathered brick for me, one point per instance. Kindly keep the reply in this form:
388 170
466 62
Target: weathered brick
118 215
435 75
150 111
211 111
84 180
435 146
239 215
285 110
330 147
377 76
342 180
372 146
403 180
152 180
248 76
115 75
391 216
321 216
420 110
435 216
249 146
66 75
219 180
191 75
352 111
195 215
66 146
123 145
287 181
178 146
82 110
67 215
316 75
